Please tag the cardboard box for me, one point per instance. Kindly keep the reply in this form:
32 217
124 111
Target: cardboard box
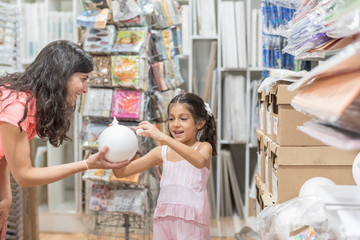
260 154
285 119
252 207
268 116
291 167
263 196
266 162
262 107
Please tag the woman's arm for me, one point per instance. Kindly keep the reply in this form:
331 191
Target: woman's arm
147 161
17 151
199 158
5 197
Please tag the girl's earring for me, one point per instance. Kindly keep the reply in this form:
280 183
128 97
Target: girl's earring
199 134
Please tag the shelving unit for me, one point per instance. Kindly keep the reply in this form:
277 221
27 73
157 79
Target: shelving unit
198 57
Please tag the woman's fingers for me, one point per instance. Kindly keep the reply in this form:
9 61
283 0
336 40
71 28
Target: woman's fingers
115 165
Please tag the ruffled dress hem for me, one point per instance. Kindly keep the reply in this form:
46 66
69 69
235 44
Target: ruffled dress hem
180 211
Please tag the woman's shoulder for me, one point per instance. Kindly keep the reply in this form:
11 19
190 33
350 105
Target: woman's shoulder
12 96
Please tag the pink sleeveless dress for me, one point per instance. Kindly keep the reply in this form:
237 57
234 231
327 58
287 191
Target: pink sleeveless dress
182 210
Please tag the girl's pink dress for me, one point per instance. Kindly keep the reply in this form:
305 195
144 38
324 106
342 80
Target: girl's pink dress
182 210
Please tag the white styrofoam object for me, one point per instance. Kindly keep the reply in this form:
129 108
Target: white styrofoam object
139 131
309 188
121 140
356 169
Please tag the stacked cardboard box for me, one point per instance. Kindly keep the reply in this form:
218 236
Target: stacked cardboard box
287 158
264 197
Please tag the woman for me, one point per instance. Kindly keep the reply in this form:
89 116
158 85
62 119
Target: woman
42 101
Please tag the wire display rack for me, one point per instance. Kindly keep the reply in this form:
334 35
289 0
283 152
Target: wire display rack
120 210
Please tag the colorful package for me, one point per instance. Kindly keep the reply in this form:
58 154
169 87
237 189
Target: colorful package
168 42
126 104
128 71
98 102
101 75
117 199
95 4
157 50
91 131
100 40
127 13
130 40
96 18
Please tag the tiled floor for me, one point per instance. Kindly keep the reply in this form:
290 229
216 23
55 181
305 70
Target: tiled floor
82 236
221 229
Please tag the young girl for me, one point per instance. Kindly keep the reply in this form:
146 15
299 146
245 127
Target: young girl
182 210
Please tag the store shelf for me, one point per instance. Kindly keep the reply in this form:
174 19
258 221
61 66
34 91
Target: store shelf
183 2
251 69
204 38
233 69
223 141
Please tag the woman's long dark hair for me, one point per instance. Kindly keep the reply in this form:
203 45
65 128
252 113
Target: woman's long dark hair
196 107
46 80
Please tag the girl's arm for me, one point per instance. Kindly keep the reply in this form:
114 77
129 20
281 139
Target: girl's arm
17 151
199 158
147 161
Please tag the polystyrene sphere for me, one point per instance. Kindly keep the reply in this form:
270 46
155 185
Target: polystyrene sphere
122 143
139 131
356 169
309 188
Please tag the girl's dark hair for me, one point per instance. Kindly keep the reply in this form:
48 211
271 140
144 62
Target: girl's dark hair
46 80
196 107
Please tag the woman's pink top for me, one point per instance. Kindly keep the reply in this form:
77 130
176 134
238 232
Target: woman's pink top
183 191
12 110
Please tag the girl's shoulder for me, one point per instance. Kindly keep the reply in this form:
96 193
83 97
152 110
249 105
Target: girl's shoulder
156 150
202 145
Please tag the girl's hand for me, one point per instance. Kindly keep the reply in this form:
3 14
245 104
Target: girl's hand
98 161
149 130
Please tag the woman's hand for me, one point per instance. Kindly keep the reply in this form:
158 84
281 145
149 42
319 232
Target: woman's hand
149 130
98 161
4 213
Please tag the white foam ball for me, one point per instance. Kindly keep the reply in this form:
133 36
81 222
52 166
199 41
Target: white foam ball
356 169
309 188
139 131
121 140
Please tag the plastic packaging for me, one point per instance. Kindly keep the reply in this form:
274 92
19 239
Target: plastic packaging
129 71
281 221
127 13
344 61
131 40
346 26
101 75
100 40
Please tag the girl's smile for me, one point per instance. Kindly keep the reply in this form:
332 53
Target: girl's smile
182 125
